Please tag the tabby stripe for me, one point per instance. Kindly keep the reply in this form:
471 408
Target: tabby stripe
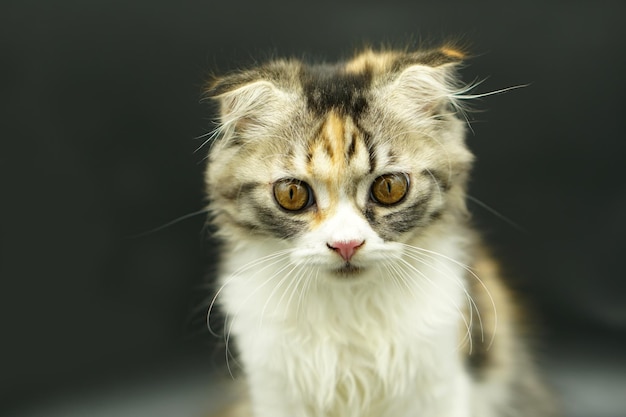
352 146
232 193
367 138
409 217
278 226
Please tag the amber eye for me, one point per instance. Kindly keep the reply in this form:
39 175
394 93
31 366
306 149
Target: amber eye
390 189
292 195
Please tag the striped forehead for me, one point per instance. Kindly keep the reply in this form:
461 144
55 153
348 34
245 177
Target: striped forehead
337 156
337 153
336 88
337 95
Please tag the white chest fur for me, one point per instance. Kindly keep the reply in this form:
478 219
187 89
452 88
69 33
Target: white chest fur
314 347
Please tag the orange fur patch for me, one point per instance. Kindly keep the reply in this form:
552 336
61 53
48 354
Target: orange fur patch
452 52
328 161
370 61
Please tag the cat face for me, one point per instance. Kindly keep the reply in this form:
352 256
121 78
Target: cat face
342 164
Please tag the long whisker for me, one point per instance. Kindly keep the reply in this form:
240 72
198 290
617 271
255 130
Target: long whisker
168 224
391 272
295 285
471 304
211 136
302 289
498 214
440 193
232 319
461 95
265 282
473 274
401 278
284 278
276 257
443 293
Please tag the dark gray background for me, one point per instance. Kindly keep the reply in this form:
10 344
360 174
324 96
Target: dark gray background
100 109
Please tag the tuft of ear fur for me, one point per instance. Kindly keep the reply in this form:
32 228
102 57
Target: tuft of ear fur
248 103
426 85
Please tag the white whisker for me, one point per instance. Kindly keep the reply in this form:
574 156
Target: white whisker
461 95
471 304
498 214
439 191
390 270
287 277
211 136
284 278
438 288
232 319
238 272
476 277
304 288
168 224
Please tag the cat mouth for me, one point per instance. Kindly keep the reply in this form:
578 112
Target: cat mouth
348 270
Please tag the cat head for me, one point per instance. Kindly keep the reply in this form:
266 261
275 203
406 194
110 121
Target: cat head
341 163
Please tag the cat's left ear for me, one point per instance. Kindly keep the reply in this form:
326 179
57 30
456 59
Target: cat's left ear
426 83
248 101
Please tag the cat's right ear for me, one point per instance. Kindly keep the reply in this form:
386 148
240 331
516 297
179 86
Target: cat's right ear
247 102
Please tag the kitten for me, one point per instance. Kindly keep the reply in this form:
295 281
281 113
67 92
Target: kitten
352 282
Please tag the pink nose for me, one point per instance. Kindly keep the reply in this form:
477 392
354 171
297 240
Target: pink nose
346 249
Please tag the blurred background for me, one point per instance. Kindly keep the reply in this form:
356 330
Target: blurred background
101 114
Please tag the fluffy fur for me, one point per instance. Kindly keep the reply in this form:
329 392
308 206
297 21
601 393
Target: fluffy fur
403 324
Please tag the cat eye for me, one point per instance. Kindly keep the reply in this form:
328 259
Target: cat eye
293 195
390 189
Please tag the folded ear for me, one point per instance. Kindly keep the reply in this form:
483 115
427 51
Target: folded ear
425 84
248 102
